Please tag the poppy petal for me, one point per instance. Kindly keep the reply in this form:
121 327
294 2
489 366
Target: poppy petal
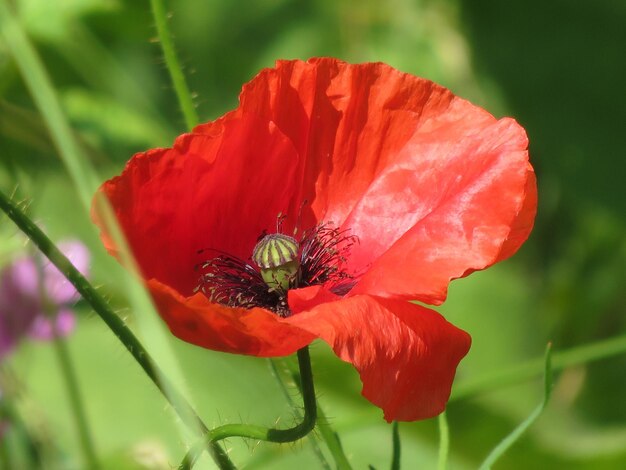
403 164
216 191
469 199
255 332
406 354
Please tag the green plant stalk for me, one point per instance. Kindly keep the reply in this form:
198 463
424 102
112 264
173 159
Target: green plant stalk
116 324
17 426
332 441
69 376
42 92
6 461
262 433
330 437
173 65
283 388
5 455
78 407
560 360
444 441
395 459
280 435
513 437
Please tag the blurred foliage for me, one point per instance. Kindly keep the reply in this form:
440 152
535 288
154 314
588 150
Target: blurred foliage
556 66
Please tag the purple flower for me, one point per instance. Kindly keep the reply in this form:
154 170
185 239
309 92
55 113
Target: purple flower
35 298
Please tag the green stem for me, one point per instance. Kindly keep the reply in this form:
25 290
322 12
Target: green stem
115 323
444 441
76 401
5 449
395 460
173 65
42 92
533 368
283 388
331 438
261 433
5 455
514 436
17 426
280 435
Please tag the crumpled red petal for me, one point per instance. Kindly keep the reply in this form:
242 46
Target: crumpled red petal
406 354
405 165
433 187
256 331
215 191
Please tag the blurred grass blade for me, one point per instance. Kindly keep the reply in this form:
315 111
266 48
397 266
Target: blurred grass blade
331 438
512 438
47 102
514 374
178 401
86 182
77 403
84 178
444 441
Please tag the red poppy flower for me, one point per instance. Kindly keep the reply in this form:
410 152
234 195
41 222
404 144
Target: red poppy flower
385 187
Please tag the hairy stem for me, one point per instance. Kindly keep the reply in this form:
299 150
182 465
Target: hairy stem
173 65
283 387
116 324
261 433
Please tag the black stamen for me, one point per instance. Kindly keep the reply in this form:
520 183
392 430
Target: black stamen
236 283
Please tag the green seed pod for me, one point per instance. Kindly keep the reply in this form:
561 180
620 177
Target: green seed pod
277 257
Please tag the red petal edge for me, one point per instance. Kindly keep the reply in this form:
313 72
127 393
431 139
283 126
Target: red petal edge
406 354
255 332
434 187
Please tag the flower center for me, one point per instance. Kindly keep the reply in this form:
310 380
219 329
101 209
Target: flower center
279 263
276 255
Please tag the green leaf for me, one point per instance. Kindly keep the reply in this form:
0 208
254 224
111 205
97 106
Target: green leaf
512 438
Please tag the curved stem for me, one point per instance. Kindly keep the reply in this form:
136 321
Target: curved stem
78 407
527 370
268 434
330 437
280 435
173 65
115 323
283 388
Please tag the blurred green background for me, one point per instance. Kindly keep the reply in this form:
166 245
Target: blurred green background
557 66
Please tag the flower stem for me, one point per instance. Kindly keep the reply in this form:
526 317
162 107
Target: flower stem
331 438
395 460
312 438
115 323
444 441
527 370
514 436
173 65
280 435
77 403
261 433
